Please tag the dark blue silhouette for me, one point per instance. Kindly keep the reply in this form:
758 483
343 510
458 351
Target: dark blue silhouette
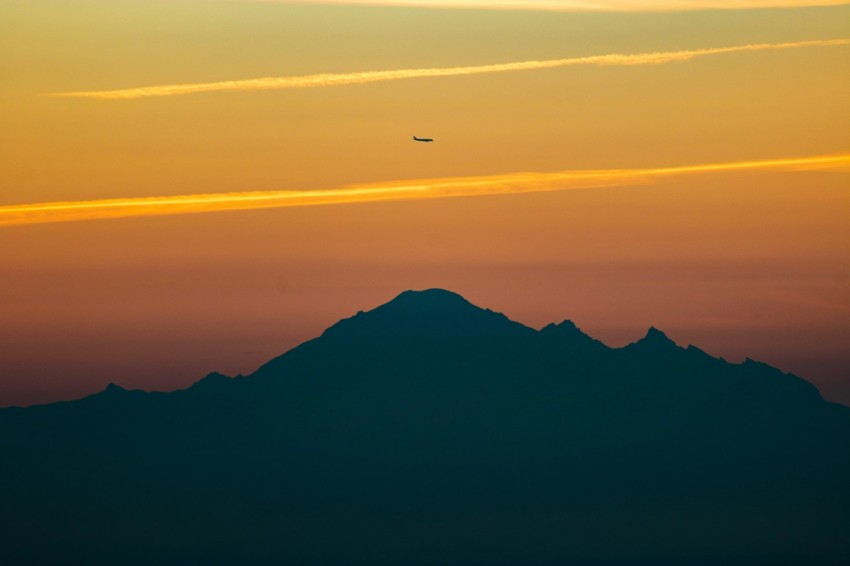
431 431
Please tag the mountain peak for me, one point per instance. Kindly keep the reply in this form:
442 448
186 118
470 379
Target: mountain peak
571 338
428 298
565 328
113 388
656 335
654 339
427 316
421 306
213 378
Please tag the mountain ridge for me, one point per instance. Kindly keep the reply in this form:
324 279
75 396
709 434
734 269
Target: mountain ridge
430 427
447 304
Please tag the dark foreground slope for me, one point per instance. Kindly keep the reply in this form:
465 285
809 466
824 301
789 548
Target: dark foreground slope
431 431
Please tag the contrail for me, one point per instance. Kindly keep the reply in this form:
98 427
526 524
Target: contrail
587 5
512 183
362 77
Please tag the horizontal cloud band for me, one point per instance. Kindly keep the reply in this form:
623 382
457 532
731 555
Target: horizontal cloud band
337 79
512 183
587 5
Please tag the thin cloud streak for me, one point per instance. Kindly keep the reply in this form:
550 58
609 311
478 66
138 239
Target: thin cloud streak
362 77
513 183
585 5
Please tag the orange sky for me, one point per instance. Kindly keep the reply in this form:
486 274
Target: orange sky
750 261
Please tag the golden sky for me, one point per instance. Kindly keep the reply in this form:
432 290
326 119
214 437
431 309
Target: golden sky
660 119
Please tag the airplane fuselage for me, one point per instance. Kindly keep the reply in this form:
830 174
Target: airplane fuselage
422 139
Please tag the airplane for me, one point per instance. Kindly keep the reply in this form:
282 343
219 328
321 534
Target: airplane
422 139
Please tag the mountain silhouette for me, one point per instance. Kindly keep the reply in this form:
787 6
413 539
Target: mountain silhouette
431 431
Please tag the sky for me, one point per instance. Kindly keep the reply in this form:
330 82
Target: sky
193 186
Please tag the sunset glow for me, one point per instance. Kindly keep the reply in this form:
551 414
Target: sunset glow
683 164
